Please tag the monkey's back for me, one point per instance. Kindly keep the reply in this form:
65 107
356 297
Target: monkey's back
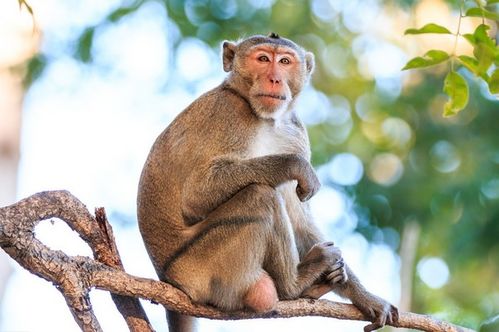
186 144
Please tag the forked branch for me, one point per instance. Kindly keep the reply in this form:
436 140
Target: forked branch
75 276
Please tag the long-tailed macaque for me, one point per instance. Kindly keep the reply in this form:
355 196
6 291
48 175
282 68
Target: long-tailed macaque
222 201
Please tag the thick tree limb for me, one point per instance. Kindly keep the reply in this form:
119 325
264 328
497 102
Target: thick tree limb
75 276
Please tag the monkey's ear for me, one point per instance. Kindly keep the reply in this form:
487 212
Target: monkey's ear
229 51
310 62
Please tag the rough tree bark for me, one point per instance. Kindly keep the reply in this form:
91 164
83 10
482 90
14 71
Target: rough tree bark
75 276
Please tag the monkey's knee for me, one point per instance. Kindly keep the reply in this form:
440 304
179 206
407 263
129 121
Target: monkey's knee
262 295
263 199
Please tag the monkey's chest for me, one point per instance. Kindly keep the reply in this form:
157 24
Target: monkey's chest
271 139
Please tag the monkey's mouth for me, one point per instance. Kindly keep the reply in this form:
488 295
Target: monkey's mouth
278 97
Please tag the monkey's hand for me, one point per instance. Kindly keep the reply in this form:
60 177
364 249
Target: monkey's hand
378 310
308 183
337 273
332 266
330 260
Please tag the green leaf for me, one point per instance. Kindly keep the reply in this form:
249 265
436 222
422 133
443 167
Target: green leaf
481 12
83 50
484 50
494 82
428 28
491 2
470 63
36 66
121 12
430 58
480 35
485 56
470 38
456 88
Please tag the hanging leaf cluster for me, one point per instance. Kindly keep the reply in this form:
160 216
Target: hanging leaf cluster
483 64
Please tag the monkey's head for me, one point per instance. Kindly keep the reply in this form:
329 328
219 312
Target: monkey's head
269 71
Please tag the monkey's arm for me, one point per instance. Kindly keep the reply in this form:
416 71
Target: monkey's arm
223 177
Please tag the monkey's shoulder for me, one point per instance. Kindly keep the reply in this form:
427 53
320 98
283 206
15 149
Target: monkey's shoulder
216 122
219 103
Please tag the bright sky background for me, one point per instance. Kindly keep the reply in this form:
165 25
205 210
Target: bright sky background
88 129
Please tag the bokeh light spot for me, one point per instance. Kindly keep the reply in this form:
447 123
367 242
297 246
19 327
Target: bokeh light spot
346 169
491 189
312 106
445 157
396 131
194 59
328 205
386 169
433 271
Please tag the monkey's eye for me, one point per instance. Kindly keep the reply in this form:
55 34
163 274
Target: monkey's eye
285 61
263 58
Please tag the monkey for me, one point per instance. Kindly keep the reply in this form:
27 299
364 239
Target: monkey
222 201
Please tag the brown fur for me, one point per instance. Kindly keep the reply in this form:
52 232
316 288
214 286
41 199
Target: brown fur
221 199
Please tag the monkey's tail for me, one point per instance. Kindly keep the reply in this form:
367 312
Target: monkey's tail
180 323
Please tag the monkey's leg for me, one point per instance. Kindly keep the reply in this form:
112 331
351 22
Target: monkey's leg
291 275
281 259
222 263
227 261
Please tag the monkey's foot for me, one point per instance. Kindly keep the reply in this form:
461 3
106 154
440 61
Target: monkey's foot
379 312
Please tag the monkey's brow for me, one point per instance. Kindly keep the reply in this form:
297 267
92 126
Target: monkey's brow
276 49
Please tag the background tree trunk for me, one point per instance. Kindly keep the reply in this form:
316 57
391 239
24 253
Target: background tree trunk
10 123
19 43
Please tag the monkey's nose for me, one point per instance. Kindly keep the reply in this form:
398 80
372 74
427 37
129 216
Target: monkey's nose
274 80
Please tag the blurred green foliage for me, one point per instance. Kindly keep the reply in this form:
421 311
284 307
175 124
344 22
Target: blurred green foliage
450 167
484 62
491 325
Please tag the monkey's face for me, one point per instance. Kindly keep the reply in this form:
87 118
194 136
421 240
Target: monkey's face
276 74
268 71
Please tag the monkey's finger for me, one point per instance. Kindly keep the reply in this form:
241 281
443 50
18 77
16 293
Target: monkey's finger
378 323
337 268
345 278
389 318
371 327
395 314
339 265
337 280
372 314
303 194
332 275
336 276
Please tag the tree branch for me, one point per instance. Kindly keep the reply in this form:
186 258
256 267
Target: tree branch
74 276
